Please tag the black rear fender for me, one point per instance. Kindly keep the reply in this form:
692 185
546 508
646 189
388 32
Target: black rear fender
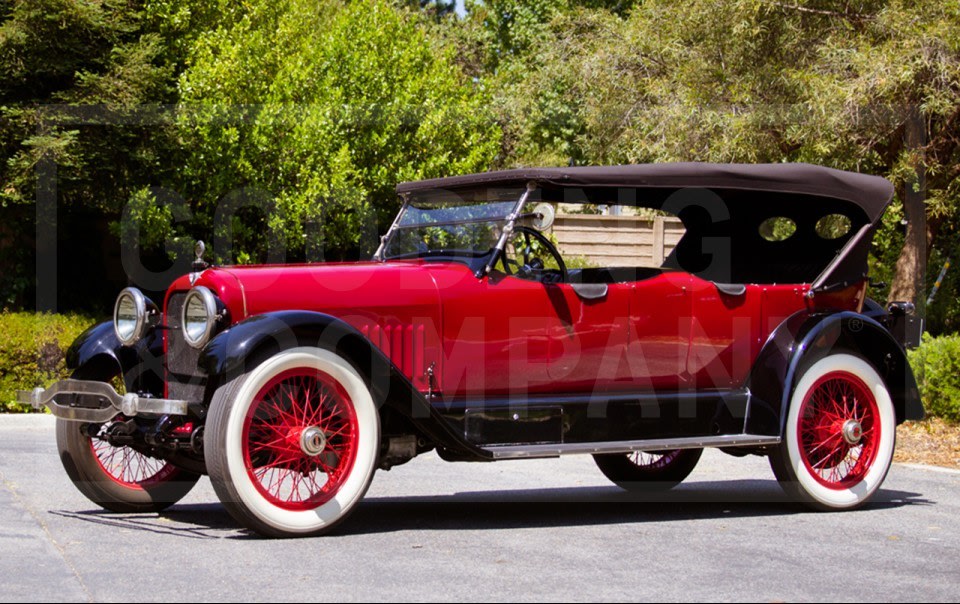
804 338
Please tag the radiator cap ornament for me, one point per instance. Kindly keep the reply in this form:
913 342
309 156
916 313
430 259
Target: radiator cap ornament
199 265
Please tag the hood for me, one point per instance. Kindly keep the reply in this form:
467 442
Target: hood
374 290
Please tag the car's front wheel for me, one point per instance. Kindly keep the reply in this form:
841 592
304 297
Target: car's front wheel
120 479
292 444
648 471
840 434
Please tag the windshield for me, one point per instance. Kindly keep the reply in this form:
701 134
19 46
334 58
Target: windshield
448 227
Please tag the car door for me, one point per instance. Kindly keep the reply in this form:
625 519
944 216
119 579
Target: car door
507 336
635 337
658 334
725 333
494 334
588 336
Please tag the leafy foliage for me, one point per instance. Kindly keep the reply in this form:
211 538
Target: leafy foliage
316 112
59 61
79 85
32 352
936 364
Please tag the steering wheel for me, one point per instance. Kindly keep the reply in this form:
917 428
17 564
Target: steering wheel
533 267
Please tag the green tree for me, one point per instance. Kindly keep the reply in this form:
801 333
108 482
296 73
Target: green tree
890 96
872 86
82 90
321 108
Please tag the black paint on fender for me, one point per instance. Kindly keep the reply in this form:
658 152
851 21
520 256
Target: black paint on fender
141 364
804 338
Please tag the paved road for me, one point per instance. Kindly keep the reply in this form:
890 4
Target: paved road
521 530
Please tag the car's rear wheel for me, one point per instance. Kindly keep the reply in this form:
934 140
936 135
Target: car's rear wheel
292 444
840 435
120 479
643 471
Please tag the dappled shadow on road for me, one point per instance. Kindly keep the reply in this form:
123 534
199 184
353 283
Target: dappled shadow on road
589 507
490 510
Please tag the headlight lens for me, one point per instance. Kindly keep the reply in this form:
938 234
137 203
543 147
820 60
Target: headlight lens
199 316
132 316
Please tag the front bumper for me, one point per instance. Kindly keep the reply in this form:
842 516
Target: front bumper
98 402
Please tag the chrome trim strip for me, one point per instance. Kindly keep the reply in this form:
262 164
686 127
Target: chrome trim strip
112 402
627 446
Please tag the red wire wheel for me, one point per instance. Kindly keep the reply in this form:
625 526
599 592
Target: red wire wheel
839 436
839 430
648 471
654 461
292 444
119 479
129 468
300 439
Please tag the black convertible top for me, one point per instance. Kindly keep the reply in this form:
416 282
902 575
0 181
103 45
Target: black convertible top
871 193
722 207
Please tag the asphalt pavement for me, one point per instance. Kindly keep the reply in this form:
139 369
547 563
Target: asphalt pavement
515 531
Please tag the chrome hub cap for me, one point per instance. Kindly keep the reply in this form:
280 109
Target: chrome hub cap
313 441
852 431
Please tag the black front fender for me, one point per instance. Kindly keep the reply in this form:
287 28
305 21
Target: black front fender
238 349
98 351
803 339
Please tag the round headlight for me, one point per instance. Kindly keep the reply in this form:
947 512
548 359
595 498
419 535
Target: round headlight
132 316
199 316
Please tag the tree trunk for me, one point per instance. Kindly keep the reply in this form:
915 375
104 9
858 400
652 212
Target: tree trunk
909 276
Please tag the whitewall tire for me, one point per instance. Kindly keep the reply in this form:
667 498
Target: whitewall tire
292 444
840 434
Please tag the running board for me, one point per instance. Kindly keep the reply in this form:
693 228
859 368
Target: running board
627 446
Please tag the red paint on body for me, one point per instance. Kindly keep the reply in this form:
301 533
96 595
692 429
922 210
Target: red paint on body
502 335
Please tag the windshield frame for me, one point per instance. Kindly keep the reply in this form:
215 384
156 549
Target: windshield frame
497 249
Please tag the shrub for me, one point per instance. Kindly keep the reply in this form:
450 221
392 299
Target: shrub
936 363
32 350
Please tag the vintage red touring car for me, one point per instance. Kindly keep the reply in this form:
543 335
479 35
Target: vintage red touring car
469 334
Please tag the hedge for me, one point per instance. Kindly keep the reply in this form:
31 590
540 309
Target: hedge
936 364
32 348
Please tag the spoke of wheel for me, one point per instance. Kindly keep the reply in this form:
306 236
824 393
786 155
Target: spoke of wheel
339 432
826 458
288 475
823 443
124 464
327 469
262 446
317 418
276 477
